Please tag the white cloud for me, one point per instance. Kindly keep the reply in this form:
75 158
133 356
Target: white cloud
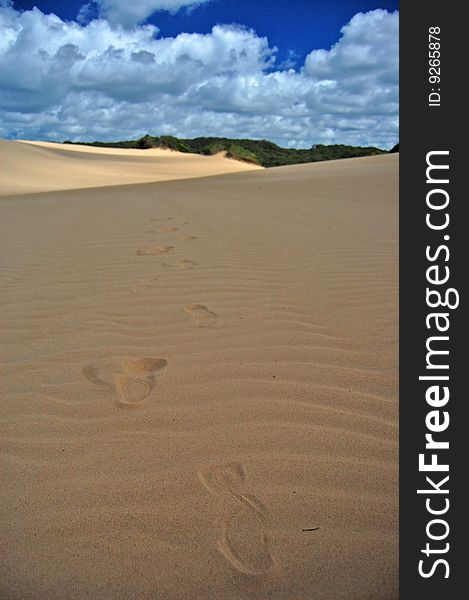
63 80
129 13
369 46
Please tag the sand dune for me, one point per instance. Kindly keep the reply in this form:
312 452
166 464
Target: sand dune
200 387
29 167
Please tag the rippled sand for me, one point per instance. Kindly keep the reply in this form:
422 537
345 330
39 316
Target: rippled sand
199 387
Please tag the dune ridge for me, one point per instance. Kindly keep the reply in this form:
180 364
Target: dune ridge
218 420
29 167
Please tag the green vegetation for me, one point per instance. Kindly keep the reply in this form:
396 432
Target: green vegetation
260 152
240 153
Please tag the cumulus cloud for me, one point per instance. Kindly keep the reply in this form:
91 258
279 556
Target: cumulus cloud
369 47
64 80
129 13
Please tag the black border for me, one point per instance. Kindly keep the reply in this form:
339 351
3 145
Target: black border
424 128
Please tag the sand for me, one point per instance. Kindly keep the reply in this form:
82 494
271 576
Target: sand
28 167
199 387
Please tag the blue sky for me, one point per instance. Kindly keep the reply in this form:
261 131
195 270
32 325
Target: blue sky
293 26
297 72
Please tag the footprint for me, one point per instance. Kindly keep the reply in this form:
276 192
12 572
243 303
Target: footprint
201 315
242 538
132 390
154 251
137 380
167 229
220 479
92 374
140 366
133 379
244 543
187 236
186 264
229 479
182 264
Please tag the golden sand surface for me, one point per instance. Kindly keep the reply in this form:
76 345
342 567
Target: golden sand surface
199 384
